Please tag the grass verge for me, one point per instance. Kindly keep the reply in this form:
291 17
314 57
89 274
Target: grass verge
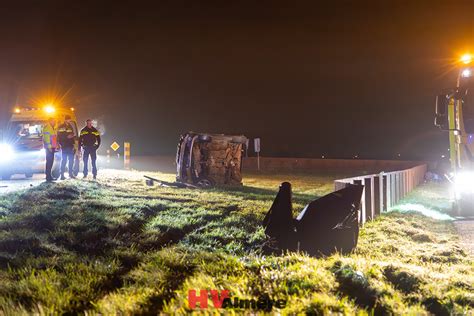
117 246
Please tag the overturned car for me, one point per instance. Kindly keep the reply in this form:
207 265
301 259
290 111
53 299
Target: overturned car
207 160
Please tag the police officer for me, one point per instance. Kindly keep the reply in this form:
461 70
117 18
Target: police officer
66 139
89 141
50 146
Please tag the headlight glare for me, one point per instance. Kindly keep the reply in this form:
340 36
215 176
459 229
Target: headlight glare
6 152
464 182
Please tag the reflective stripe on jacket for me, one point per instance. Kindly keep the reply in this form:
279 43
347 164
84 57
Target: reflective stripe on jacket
50 135
64 131
90 137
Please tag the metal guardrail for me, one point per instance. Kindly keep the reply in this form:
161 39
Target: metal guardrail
383 190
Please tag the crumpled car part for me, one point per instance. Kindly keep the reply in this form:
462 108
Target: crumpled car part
326 225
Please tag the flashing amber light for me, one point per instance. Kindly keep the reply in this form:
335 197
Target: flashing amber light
73 109
466 58
17 110
49 109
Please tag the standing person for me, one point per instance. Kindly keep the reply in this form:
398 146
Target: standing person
50 146
89 141
66 139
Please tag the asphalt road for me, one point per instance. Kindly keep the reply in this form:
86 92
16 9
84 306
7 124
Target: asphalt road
20 182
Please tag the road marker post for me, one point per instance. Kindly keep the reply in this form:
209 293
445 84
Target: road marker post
126 155
256 143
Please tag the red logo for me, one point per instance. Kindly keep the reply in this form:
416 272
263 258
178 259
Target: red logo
224 300
203 297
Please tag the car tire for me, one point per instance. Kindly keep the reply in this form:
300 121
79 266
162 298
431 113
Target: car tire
29 175
205 138
205 183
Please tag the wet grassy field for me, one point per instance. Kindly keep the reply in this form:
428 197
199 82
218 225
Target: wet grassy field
118 246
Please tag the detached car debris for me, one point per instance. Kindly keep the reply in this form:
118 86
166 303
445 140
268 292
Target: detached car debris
150 181
207 160
324 226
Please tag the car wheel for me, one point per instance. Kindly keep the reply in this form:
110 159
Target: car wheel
29 175
205 183
205 138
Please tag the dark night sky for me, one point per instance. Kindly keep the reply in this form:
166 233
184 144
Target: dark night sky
309 79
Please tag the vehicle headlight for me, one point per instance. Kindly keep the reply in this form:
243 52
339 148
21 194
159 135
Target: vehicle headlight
464 182
6 152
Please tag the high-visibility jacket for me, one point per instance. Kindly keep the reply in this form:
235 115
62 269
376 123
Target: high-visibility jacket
50 136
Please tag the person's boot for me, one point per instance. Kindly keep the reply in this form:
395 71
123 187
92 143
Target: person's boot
63 177
71 176
95 177
85 176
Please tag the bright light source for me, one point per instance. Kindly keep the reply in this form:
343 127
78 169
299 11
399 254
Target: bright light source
464 182
17 110
49 108
6 152
466 58
73 109
466 73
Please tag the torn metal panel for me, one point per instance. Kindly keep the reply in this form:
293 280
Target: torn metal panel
325 225
279 222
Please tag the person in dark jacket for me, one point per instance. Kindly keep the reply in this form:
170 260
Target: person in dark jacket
89 141
66 139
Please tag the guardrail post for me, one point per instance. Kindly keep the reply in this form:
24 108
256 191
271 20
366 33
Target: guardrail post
402 185
396 186
362 203
389 192
369 197
378 195
382 191
407 182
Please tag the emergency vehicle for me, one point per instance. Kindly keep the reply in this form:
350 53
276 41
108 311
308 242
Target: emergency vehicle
455 114
21 149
